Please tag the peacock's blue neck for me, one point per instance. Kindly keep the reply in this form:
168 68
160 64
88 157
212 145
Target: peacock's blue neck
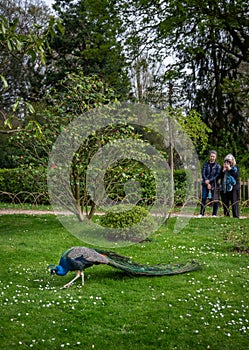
60 270
63 268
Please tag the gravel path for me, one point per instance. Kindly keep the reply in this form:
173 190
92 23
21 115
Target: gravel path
43 212
25 211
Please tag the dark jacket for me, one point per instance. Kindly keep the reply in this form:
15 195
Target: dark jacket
210 172
234 172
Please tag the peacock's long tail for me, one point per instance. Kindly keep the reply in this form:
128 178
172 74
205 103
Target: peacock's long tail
123 263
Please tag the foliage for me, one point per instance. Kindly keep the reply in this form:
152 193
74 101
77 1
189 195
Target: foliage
180 187
90 43
24 30
81 165
73 96
124 171
6 153
28 184
70 98
129 172
114 311
208 43
130 220
207 74
201 37
24 185
77 93
195 128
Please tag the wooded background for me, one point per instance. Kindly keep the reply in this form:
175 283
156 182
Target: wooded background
190 58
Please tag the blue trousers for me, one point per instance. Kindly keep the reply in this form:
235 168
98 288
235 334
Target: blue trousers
204 195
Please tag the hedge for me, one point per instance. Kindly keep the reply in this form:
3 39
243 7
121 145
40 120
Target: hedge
21 185
30 185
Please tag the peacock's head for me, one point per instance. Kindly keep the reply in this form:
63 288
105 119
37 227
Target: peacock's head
57 270
52 269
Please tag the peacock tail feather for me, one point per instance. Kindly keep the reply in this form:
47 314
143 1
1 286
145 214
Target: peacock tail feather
125 264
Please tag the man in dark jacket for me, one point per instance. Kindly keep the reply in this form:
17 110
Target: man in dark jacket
210 175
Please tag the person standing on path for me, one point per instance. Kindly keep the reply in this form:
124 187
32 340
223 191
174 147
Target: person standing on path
210 175
230 186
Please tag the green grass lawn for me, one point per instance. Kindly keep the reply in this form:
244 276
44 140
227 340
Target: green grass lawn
206 309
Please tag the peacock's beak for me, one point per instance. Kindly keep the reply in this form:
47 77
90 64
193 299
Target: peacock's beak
52 269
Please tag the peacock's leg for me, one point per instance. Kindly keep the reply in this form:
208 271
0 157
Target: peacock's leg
82 278
78 274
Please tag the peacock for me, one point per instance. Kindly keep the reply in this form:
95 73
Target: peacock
79 258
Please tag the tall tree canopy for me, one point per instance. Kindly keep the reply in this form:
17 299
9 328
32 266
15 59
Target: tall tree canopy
22 43
24 29
209 41
90 43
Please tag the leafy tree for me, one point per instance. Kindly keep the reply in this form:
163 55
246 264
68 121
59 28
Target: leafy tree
209 41
73 96
89 44
22 50
69 99
24 29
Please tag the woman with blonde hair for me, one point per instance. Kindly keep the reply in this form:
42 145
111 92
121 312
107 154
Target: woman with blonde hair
230 186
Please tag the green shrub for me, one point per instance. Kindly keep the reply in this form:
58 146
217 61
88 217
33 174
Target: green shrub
122 173
127 170
24 185
129 223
